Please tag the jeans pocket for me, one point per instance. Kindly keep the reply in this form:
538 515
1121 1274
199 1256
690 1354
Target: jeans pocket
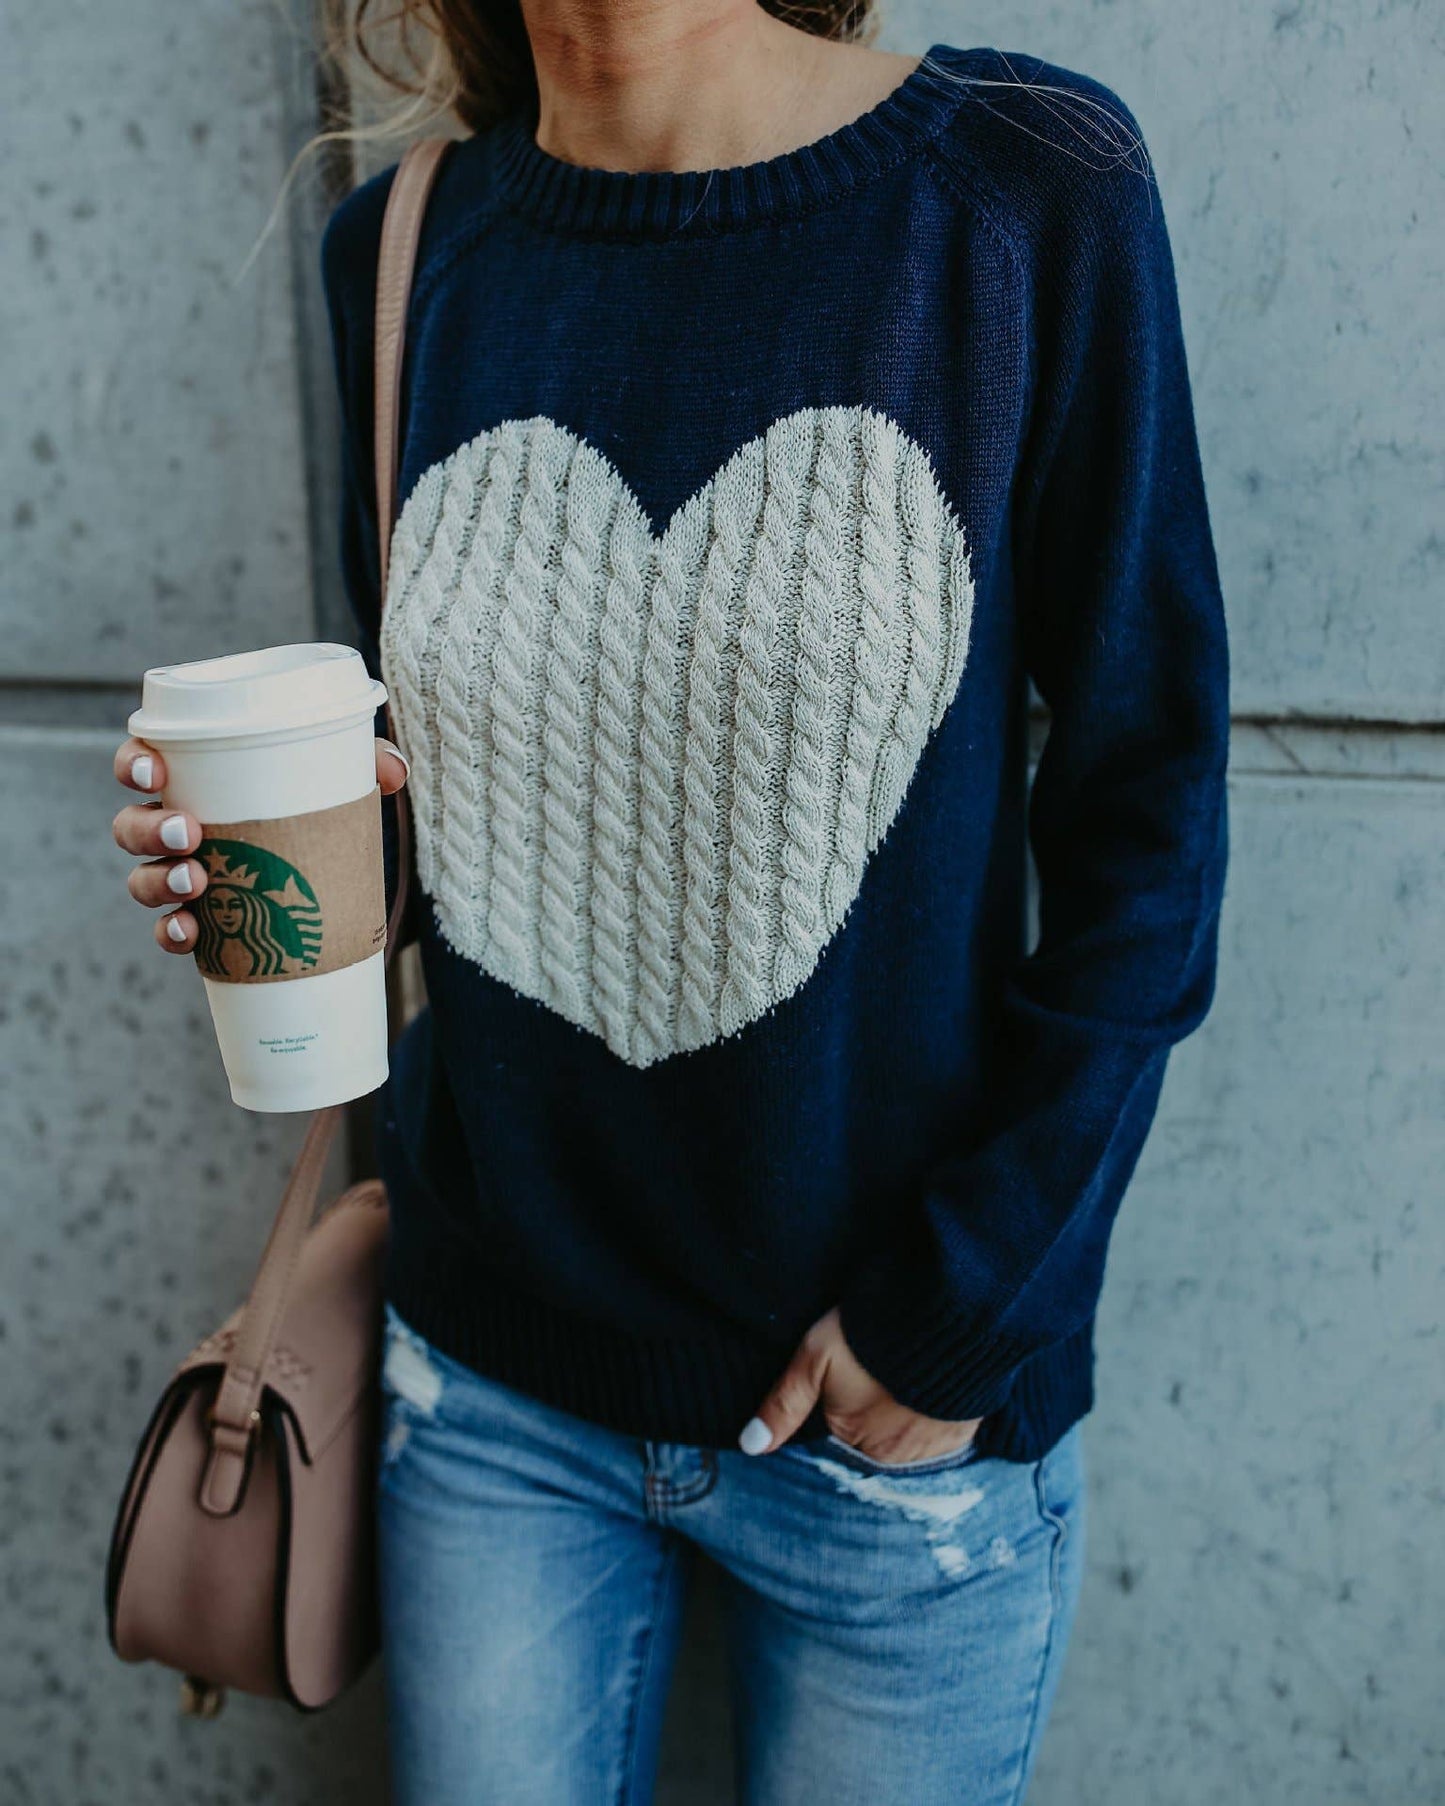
836 1449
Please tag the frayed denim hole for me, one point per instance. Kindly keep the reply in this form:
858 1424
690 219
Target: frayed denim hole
939 1500
395 1428
408 1372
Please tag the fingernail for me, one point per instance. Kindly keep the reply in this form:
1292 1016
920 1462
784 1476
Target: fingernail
756 1437
143 771
174 832
392 747
179 879
175 928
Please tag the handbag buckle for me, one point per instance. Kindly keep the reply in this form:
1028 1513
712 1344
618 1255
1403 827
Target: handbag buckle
228 1465
253 1421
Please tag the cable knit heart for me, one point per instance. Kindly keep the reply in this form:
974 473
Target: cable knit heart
647 772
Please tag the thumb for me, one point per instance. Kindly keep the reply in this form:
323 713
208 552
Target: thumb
785 1407
392 769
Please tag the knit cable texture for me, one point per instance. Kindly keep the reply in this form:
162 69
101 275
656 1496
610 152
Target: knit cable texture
647 772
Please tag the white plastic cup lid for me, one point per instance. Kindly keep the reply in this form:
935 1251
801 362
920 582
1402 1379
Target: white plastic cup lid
280 689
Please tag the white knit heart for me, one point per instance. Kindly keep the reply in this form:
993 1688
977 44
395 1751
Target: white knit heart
646 773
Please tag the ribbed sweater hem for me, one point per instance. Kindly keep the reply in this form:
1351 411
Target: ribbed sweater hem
698 1392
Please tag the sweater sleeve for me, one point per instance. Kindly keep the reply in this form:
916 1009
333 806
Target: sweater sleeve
1122 628
349 249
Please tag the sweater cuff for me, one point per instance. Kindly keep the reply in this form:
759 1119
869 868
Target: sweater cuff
914 1341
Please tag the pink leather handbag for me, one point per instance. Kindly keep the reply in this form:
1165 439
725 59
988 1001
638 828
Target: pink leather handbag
242 1550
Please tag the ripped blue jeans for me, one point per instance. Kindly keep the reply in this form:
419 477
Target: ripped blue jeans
895 1633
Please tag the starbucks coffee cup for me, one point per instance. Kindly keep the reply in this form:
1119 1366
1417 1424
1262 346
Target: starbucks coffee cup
274 753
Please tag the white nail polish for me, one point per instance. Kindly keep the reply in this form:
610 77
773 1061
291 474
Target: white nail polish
174 833
143 771
175 929
179 879
392 747
756 1437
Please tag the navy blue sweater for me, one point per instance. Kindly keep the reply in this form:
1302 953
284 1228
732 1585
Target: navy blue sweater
739 507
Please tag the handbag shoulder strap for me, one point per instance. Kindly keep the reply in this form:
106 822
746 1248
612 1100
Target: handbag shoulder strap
235 1412
400 234
401 225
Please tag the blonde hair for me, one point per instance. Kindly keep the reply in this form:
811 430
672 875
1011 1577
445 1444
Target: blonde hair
467 63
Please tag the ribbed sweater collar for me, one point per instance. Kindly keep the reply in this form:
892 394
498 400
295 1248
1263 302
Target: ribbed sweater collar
626 203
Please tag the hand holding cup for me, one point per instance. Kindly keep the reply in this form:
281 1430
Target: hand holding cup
265 851
163 837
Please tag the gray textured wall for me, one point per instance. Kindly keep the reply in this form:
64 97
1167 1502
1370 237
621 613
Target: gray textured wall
156 504
1263 1613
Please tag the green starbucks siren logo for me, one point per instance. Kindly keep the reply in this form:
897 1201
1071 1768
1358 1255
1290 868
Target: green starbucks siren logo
258 916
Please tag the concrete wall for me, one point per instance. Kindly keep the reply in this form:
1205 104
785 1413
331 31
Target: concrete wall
1262 1617
157 503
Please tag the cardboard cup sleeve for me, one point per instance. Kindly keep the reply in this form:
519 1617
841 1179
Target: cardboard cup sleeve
291 897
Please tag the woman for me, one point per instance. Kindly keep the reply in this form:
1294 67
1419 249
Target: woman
774 409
